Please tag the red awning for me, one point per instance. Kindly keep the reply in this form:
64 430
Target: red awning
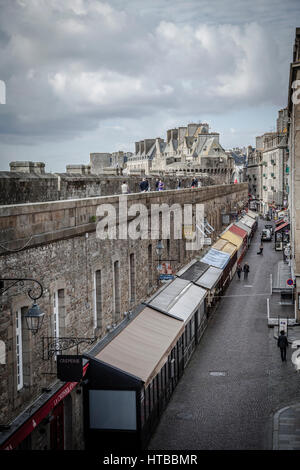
238 231
280 227
23 431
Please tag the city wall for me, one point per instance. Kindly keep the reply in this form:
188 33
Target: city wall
19 187
56 243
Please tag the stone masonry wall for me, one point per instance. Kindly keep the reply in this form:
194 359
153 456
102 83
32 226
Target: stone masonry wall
56 243
19 188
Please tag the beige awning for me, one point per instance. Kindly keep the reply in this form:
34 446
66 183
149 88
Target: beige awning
219 245
142 348
252 214
232 238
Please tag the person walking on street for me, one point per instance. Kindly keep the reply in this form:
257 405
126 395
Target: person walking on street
260 252
246 270
282 343
239 270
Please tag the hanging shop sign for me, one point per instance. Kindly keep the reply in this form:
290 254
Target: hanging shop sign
69 368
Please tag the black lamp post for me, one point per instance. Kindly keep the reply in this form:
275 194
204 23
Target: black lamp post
34 316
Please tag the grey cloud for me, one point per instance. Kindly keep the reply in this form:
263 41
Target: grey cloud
137 59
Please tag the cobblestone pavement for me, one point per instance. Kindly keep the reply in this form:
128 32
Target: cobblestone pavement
235 383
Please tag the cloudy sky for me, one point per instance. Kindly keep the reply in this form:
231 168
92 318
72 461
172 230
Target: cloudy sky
88 76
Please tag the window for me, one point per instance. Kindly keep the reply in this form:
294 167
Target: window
117 288
132 277
59 314
150 266
19 352
98 299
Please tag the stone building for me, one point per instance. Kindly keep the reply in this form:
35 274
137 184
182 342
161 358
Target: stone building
293 165
267 166
89 284
274 158
254 171
187 150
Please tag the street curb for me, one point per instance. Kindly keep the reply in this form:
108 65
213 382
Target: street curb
276 427
276 419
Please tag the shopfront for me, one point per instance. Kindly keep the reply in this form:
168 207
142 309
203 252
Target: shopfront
221 260
48 427
130 381
187 301
226 247
211 281
245 228
282 236
242 244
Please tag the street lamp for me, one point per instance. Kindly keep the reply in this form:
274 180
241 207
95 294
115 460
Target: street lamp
34 316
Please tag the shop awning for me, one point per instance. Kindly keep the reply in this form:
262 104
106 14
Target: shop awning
210 278
248 221
33 420
232 238
252 214
179 299
238 231
243 227
166 296
193 270
216 258
142 348
281 227
225 246
188 302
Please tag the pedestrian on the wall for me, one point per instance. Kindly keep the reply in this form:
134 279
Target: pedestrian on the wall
124 188
246 270
178 183
143 185
156 184
282 343
239 270
161 185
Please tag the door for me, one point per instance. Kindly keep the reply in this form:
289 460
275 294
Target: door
57 428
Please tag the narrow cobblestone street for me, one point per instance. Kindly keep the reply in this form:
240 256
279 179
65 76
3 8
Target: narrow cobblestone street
235 381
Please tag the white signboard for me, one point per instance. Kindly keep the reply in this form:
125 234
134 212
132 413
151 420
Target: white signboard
283 324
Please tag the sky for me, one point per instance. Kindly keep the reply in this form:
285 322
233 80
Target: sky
86 76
